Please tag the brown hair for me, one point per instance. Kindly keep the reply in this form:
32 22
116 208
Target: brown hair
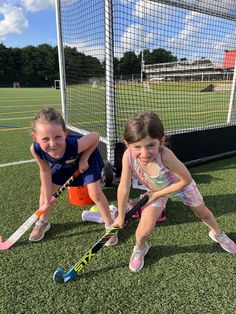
48 115
141 125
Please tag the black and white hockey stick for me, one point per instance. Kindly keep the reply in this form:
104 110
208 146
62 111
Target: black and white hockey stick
60 276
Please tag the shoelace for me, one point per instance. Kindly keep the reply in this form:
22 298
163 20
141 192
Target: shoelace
139 252
223 238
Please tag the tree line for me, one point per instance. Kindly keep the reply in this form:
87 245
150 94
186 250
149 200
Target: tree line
37 66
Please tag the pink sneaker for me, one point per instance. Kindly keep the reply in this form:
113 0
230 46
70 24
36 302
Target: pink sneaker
137 258
136 215
162 217
224 241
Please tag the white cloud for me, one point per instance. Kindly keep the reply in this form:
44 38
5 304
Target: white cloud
218 47
126 1
152 11
224 6
141 34
199 38
190 31
216 7
37 5
13 22
135 38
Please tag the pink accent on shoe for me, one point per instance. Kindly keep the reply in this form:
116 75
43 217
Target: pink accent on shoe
224 241
161 218
138 215
137 258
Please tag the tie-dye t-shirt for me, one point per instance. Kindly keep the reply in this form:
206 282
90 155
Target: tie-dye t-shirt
189 194
164 178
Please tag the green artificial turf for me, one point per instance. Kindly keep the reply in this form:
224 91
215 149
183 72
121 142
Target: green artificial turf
184 272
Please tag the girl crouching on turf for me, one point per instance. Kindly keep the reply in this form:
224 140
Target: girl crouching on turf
59 155
163 174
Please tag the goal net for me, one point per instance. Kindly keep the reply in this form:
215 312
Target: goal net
176 58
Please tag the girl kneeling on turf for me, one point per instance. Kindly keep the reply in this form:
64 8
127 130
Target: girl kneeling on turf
59 155
163 174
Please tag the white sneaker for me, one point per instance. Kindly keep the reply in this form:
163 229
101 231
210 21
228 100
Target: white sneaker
137 258
224 241
39 231
113 239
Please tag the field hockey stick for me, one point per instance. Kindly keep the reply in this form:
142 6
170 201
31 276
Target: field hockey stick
32 219
60 276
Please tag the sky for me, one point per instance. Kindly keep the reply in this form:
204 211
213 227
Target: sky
27 22
186 33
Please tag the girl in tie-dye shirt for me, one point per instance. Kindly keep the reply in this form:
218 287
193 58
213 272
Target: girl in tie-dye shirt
156 166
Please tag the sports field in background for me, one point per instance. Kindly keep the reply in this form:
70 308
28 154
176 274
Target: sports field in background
180 105
184 272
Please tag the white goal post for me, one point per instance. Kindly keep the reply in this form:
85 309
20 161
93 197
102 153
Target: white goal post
57 84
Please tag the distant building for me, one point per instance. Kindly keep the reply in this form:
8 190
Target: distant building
183 71
229 59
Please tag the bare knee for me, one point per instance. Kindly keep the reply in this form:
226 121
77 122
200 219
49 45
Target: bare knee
148 232
96 197
95 192
202 213
145 230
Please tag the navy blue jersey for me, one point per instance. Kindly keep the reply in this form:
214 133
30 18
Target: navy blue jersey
64 167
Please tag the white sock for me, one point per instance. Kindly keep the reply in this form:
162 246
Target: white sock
41 222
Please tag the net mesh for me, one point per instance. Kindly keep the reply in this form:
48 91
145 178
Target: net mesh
83 40
174 57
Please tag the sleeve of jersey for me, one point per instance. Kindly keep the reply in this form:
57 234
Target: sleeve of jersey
72 146
38 150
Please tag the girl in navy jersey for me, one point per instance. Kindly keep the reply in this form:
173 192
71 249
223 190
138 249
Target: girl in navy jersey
59 155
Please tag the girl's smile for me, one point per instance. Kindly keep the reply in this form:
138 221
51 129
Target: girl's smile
52 139
145 150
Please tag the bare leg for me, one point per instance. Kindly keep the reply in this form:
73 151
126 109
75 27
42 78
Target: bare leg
100 200
41 226
147 224
44 216
208 218
97 195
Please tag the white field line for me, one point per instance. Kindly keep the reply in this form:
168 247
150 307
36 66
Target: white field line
14 129
16 112
8 119
16 163
39 105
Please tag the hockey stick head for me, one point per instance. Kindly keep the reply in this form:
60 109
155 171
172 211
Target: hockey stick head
5 245
60 276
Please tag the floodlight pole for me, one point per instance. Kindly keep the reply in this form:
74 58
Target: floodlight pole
142 66
232 96
143 44
110 95
61 59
